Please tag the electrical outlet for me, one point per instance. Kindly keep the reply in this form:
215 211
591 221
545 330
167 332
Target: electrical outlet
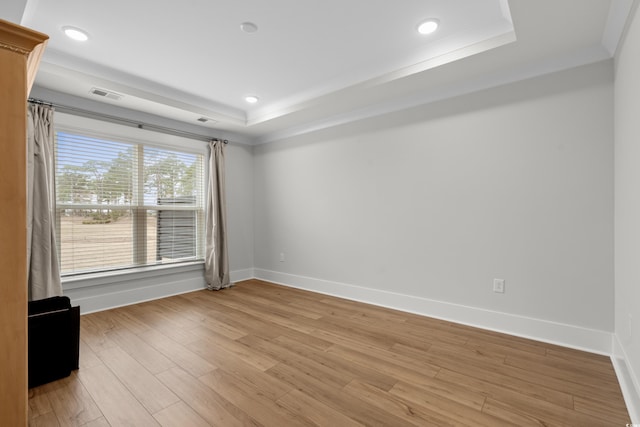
498 285
281 256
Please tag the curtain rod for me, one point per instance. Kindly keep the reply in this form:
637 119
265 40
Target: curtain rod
127 122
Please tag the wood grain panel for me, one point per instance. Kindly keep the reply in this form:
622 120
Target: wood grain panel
149 391
209 405
72 404
20 51
115 401
45 420
178 354
317 412
180 415
252 401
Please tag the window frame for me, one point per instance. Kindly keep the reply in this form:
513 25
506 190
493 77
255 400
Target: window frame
110 131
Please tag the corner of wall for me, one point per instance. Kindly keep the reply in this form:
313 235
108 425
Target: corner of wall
240 275
627 226
627 379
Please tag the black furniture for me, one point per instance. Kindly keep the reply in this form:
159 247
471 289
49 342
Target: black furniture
54 339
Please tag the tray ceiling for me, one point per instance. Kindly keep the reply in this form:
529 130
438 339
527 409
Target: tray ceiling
310 63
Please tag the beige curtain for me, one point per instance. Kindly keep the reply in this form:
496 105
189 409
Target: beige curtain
42 255
216 255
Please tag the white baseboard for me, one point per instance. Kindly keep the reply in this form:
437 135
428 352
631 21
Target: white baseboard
240 275
114 299
119 291
629 381
590 340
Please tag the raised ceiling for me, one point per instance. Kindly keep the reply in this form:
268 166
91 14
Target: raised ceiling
312 64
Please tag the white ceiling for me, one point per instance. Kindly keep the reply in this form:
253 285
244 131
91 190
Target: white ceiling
312 63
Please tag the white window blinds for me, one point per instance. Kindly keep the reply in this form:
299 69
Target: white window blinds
123 204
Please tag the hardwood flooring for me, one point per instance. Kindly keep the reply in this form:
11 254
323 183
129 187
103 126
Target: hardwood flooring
260 354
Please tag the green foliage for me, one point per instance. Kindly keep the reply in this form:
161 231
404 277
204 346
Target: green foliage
119 176
166 176
113 183
73 185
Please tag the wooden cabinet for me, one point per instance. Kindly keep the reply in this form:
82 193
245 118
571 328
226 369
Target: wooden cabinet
20 51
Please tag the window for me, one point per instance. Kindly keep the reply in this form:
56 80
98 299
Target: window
123 202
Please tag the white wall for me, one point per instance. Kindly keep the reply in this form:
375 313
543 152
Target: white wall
514 182
627 216
12 10
239 192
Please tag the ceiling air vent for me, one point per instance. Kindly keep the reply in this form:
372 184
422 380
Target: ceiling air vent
106 94
208 120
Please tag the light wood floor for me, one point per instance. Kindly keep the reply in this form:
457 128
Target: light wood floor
262 354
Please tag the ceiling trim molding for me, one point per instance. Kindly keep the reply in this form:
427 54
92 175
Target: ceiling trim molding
309 99
616 22
110 109
524 72
60 63
48 68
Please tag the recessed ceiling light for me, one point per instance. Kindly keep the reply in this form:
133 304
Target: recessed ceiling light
248 27
251 99
76 34
428 26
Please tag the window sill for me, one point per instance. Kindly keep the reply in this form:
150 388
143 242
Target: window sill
113 277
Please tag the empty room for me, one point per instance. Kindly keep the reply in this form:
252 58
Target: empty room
305 213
